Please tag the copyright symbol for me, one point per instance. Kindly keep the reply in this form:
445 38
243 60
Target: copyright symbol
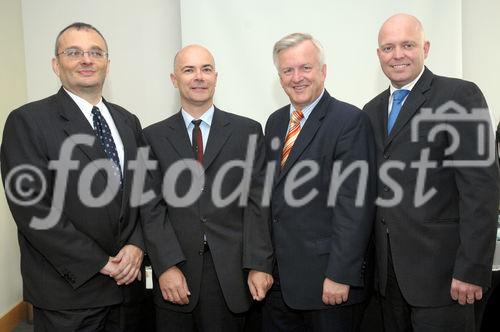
21 194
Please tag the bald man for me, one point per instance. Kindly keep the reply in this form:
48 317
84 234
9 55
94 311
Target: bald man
434 234
211 258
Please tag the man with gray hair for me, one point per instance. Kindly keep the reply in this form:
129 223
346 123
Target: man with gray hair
320 241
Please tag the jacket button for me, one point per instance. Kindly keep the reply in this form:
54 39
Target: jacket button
203 220
382 221
386 189
275 220
386 156
200 252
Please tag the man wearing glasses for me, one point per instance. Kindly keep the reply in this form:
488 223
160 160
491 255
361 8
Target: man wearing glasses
77 272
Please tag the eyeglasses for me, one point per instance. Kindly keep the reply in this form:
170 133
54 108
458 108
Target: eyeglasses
76 53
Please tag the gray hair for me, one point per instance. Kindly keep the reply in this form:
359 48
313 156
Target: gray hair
293 40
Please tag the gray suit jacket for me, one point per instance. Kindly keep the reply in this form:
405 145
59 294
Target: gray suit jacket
238 236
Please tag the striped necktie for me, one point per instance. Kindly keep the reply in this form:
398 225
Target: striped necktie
291 136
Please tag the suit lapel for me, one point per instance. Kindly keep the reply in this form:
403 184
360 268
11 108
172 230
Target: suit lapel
415 100
177 136
76 123
380 127
306 134
220 131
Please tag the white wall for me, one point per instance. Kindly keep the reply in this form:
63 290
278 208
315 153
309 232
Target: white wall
12 94
142 38
481 48
242 34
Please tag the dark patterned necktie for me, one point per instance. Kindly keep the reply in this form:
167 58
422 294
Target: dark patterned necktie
197 139
103 132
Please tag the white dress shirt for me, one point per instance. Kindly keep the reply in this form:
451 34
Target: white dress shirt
86 109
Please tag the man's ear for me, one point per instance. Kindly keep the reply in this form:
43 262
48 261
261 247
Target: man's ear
55 66
173 79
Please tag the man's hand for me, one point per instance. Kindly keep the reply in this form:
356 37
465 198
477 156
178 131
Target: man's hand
334 293
110 268
464 292
259 283
129 260
173 286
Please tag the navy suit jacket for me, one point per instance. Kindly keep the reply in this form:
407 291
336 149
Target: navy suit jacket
315 241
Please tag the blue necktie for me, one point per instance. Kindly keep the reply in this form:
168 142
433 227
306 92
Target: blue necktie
103 132
397 100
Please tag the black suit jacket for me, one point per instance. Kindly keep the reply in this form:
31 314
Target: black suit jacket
453 234
60 266
238 236
314 241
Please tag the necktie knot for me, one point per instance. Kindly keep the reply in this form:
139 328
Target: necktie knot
196 122
399 95
96 111
297 115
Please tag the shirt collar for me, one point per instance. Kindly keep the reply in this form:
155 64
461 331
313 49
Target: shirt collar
306 111
205 118
408 86
84 105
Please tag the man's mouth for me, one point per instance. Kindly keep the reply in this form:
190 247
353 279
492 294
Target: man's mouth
400 66
299 88
86 72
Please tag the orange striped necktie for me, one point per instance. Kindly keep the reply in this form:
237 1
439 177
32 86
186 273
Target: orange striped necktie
291 136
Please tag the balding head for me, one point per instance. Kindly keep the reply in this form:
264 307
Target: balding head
402 21
402 49
192 50
195 77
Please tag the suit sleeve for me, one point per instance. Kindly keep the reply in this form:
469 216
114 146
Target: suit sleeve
478 189
136 238
162 245
257 245
75 256
352 224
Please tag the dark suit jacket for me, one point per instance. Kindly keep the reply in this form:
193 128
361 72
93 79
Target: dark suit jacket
315 240
60 266
453 234
238 236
